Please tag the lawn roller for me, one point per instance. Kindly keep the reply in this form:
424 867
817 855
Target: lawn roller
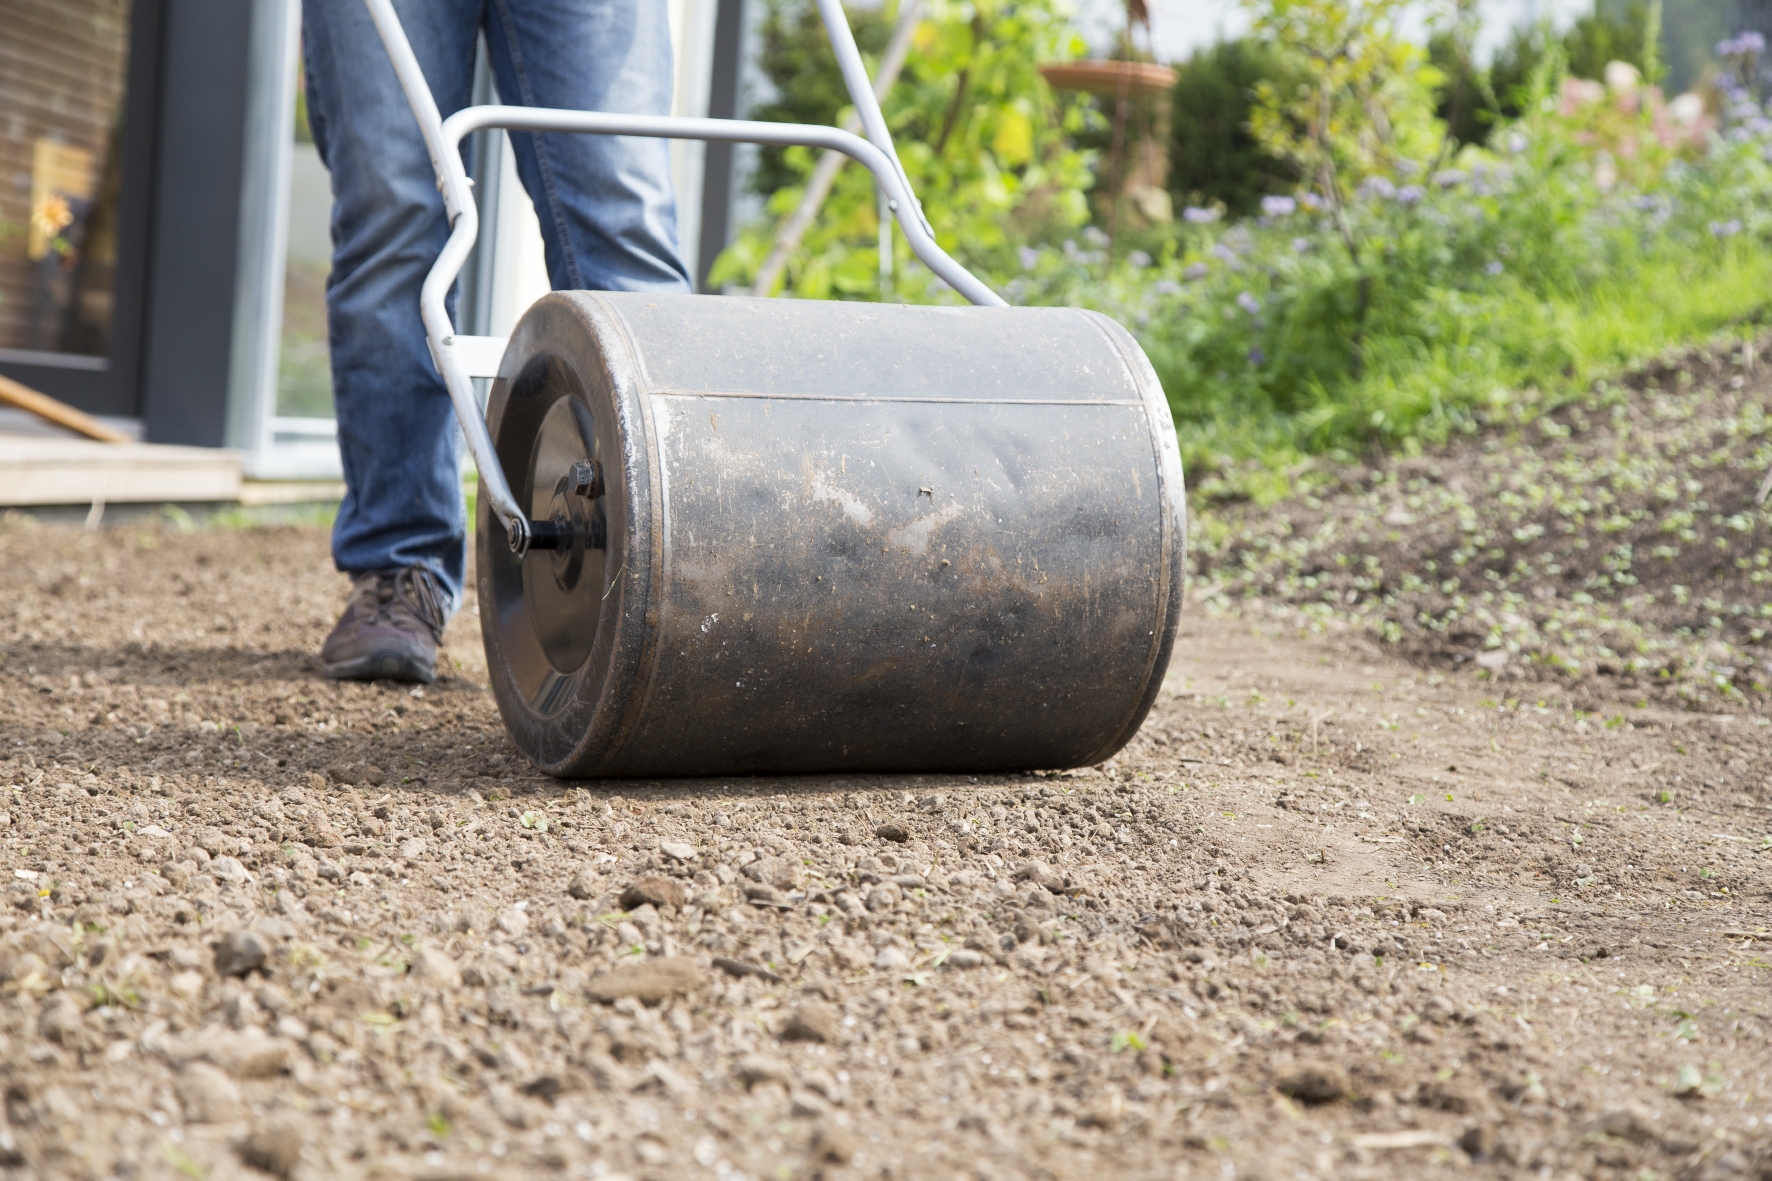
722 535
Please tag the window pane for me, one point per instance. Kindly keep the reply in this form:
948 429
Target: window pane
62 67
304 372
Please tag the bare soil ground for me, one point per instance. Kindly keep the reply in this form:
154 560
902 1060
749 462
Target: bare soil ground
1619 547
1329 915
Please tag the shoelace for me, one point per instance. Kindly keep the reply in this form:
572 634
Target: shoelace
414 587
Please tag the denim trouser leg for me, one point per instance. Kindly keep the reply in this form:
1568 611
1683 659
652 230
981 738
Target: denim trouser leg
606 210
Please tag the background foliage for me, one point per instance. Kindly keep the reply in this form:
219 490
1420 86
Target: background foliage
986 143
1213 156
1350 271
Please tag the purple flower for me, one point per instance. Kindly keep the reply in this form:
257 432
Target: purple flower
1300 245
1256 356
1249 303
1741 44
1726 229
1223 252
1310 200
1278 206
1448 178
1194 215
1198 270
1378 186
1493 268
1030 258
1094 237
1139 259
1411 194
1167 287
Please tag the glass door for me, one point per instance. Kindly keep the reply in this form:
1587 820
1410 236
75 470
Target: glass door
73 155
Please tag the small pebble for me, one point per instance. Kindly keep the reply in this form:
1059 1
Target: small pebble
891 959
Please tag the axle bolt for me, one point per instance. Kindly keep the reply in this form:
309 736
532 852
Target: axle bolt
586 481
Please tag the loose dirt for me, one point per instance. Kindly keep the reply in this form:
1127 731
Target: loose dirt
1329 915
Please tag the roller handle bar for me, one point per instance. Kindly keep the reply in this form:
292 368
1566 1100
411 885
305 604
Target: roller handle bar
442 142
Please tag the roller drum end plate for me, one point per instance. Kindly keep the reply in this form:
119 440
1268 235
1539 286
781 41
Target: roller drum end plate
785 536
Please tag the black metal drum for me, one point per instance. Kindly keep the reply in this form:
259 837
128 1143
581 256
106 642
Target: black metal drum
794 536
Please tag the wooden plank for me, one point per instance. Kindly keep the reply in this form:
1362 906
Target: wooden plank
15 393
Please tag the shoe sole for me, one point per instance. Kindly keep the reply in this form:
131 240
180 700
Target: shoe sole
381 666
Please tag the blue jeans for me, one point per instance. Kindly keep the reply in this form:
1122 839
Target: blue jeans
608 220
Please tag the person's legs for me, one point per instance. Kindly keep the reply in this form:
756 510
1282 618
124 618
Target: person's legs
396 428
608 217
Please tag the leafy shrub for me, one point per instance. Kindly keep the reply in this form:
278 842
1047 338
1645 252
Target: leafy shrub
1613 32
794 54
1497 286
1214 158
1405 290
983 139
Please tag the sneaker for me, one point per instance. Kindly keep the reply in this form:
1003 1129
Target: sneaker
389 630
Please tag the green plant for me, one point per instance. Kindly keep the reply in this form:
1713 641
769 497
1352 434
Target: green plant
1362 111
1628 31
982 139
794 54
1213 156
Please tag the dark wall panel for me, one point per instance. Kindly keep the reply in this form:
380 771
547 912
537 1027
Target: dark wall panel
194 239
723 96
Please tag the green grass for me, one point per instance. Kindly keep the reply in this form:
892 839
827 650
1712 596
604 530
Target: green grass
1507 360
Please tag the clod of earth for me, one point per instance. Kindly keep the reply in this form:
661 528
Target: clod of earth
742 968
240 952
812 1021
1320 1082
654 892
207 1094
650 981
761 1068
434 968
275 1147
836 1145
